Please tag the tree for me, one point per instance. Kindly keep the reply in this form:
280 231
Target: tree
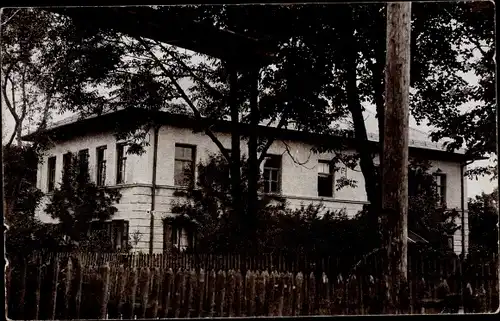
78 202
483 224
50 65
464 114
21 197
313 81
207 208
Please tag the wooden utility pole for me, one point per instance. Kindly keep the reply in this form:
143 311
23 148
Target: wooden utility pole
395 153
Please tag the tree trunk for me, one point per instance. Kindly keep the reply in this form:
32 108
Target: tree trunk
253 163
235 164
395 156
355 108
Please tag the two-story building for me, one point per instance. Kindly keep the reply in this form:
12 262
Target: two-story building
299 175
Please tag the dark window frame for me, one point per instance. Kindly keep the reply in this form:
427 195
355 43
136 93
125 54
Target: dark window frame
101 165
176 235
268 179
83 152
329 176
192 167
51 173
441 188
67 159
121 163
113 228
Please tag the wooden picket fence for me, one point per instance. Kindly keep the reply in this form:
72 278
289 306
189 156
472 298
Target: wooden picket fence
82 286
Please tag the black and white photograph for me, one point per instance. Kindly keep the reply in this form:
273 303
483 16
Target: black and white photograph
249 160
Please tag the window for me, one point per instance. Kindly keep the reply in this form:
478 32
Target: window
66 162
440 180
101 165
272 169
184 165
111 233
83 160
325 179
51 175
181 238
121 163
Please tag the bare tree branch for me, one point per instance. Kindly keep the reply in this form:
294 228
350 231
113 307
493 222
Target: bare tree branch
186 99
270 141
214 91
9 18
4 92
287 151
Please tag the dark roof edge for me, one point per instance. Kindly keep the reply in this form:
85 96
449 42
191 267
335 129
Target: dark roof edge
106 121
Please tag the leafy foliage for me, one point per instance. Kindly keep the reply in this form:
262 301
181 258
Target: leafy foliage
78 202
310 229
25 233
483 223
53 65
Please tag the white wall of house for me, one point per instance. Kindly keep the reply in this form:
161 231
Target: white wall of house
298 182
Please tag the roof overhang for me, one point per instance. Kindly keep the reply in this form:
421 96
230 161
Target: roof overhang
173 29
110 121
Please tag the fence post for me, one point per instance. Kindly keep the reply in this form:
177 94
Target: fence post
340 296
299 279
250 293
179 280
312 294
211 293
79 278
192 282
167 288
280 293
105 271
260 288
135 280
287 294
220 291
156 289
238 291
323 295
67 288
270 293
121 290
38 286
201 293
230 292
22 294
55 280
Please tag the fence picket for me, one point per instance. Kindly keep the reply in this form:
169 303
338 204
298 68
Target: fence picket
250 293
155 291
105 270
67 288
192 287
238 298
260 289
38 286
211 293
230 289
53 297
312 294
287 294
122 279
200 293
195 293
220 290
299 280
168 288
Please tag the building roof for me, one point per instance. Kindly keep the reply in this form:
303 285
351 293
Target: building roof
78 125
